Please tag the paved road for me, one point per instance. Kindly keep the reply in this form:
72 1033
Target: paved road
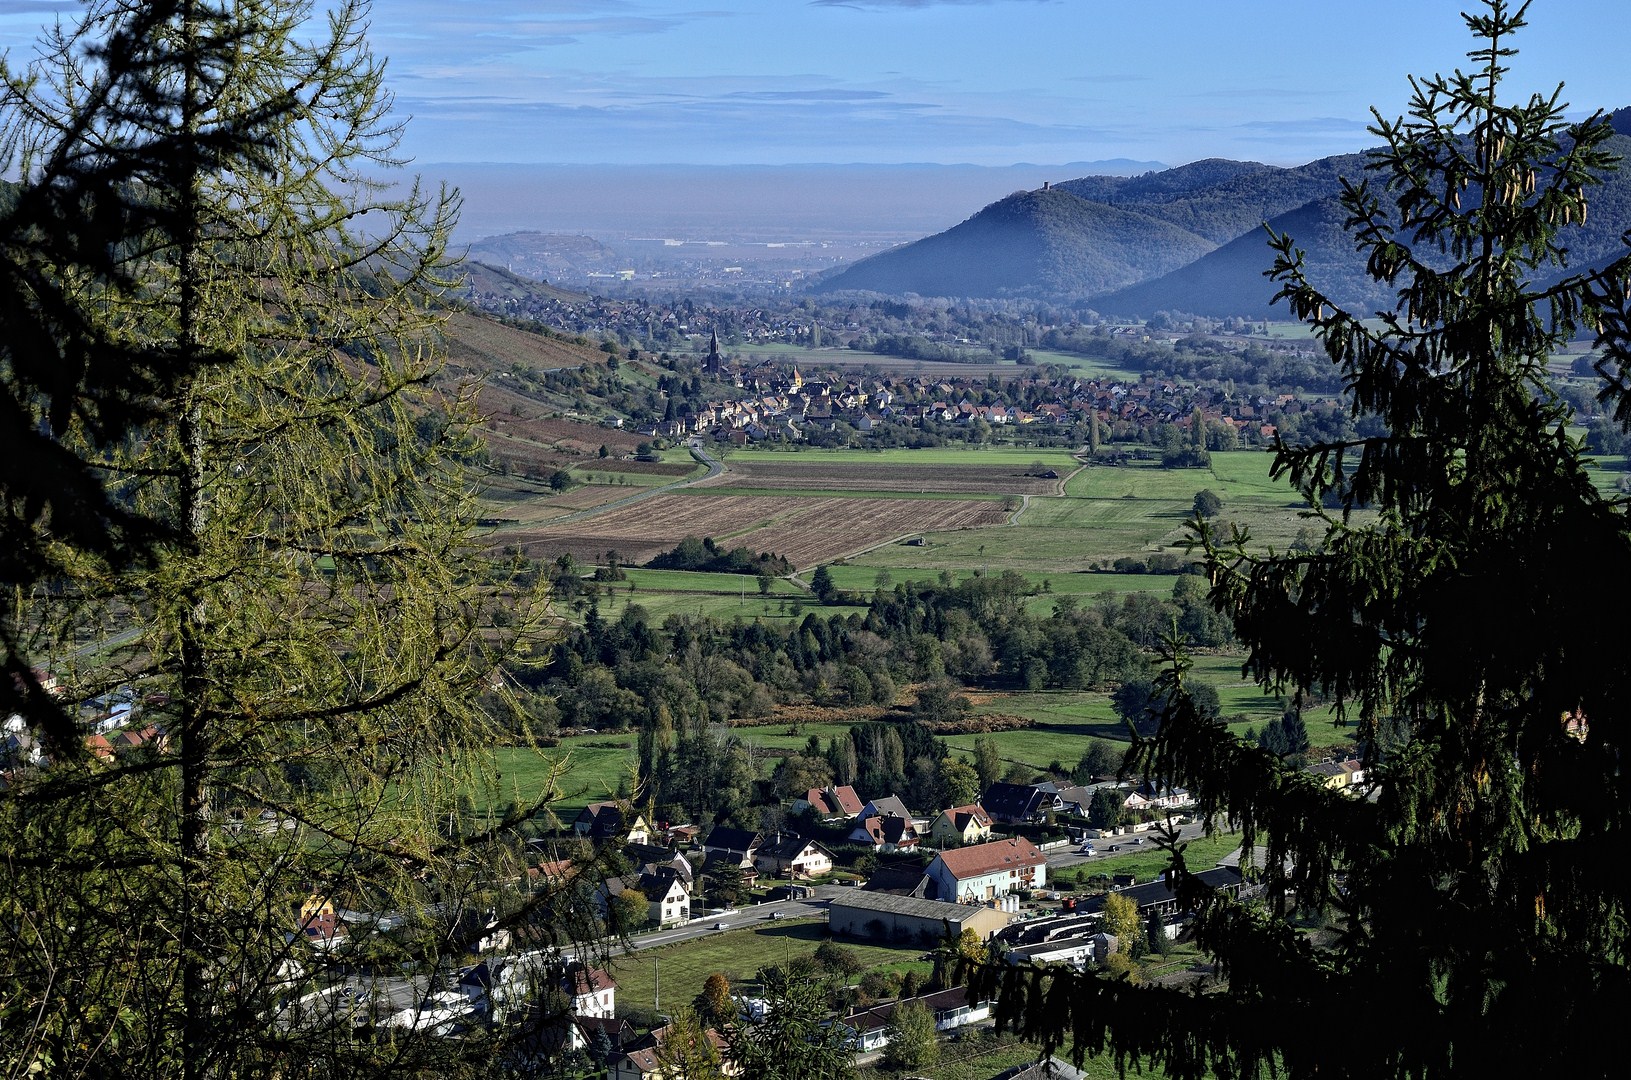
752 915
1069 858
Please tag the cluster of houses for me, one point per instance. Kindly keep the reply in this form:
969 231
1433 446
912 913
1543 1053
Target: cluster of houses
971 884
778 403
110 725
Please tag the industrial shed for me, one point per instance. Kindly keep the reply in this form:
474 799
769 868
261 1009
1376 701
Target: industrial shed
885 917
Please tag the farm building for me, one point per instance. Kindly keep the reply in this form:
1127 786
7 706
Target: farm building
887 917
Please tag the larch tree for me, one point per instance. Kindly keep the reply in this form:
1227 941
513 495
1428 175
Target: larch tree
308 632
77 220
1457 623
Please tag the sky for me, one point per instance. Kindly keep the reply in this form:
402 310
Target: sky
986 82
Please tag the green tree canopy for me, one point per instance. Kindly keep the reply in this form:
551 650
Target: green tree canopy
911 1046
792 1040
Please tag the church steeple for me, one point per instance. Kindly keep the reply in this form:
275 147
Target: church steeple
715 363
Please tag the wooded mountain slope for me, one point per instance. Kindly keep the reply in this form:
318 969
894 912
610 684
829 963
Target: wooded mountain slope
1186 239
1041 243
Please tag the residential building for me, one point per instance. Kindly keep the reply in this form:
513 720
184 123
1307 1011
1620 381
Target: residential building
604 821
1020 804
968 824
986 871
789 856
868 1028
886 834
832 803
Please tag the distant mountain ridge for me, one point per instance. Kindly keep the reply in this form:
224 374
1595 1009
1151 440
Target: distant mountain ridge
1046 241
1184 239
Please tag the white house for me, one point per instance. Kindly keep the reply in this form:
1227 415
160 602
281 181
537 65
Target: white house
987 871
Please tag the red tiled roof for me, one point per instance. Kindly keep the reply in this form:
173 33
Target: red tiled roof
980 859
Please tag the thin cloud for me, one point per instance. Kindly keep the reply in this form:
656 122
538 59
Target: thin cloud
1312 125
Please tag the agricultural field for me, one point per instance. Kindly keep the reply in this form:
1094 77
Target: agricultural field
805 530
482 346
922 478
1018 458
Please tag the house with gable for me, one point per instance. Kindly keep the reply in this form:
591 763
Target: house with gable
886 833
888 806
968 824
726 846
604 821
1020 804
832 803
791 856
640 1059
868 1028
886 824
986 871
667 893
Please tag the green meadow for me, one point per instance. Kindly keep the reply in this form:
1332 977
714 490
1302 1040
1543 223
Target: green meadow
739 954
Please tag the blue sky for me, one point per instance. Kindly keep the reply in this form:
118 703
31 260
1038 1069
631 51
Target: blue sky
989 82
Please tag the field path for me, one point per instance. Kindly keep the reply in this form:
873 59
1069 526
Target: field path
715 468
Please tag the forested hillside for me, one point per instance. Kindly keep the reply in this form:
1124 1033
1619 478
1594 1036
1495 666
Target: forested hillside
1041 243
1188 239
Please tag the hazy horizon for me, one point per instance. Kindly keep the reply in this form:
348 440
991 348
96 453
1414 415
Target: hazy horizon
755 203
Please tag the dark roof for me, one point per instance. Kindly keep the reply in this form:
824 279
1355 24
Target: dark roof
1158 891
912 907
889 806
787 846
603 819
1015 802
899 880
725 838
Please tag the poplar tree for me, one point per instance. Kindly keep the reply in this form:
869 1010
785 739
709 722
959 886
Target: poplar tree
308 631
1455 616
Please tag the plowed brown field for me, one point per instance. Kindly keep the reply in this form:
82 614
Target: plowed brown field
806 531
947 479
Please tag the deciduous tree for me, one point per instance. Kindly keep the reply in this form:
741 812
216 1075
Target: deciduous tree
911 1046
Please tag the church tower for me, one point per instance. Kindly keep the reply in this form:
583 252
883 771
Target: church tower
714 364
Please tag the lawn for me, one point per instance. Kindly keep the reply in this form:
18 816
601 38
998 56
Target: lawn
647 582
784 604
1147 861
589 769
739 954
